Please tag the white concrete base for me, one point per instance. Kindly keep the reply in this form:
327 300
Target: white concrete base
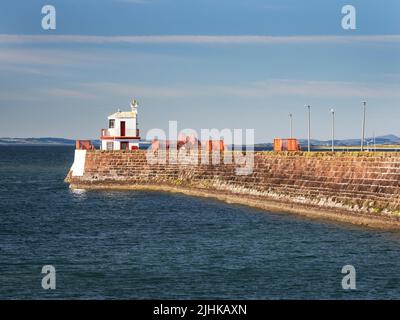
78 167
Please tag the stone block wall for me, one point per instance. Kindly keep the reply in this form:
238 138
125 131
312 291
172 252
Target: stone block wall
359 182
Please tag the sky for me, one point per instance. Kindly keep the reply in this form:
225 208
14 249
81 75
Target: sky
237 64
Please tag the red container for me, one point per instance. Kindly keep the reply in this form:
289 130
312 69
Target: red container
84 145
215 145
286 145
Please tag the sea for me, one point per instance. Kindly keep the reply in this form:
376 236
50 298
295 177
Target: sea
153 245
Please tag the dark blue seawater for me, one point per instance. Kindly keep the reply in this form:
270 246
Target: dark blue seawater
136 245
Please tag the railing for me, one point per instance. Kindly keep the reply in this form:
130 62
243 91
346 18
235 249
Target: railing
105 132
129 133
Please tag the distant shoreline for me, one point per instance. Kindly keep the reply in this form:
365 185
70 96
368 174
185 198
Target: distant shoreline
385 142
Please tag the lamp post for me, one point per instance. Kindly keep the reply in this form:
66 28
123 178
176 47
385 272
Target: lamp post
374 142
333 129
291 125
309 127
363 125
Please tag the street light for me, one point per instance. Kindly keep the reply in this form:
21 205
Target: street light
363 125
291 125
309 127
333 129
374 142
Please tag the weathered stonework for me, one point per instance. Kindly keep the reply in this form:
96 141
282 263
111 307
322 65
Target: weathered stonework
362 188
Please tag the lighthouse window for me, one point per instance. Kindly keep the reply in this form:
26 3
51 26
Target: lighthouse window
111 123
110 146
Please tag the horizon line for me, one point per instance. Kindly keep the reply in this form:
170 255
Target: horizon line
144 140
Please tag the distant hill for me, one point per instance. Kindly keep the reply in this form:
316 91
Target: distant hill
40 141
380 140
389 139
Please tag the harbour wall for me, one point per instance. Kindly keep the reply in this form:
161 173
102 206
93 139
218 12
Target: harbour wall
360 188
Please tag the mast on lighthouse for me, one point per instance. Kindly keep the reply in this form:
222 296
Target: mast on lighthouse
134 107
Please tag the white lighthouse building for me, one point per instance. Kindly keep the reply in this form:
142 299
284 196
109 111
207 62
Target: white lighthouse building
123 130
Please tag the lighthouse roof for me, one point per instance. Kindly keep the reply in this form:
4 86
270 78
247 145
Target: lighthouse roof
123 114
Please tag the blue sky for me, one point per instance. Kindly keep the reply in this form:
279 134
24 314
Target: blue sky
207 64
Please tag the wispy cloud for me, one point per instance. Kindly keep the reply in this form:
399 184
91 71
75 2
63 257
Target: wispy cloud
68 93
263 89
118 89
46 62
317 88
196 39
43 94
24 70
42 57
